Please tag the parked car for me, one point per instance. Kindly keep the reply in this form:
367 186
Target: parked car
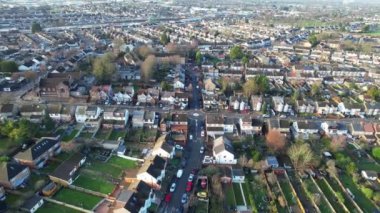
179 173
202 150
178 147
49 189
189 186
172 187
168 197
191 178
202 133
184 198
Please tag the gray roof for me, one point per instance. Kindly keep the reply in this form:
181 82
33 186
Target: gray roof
64 169
10 170
42 146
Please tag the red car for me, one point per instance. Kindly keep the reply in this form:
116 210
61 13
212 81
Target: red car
168 197
189 186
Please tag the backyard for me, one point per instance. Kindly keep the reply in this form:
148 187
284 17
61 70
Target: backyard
69 137
238 194
323 185
114 166
77 198
230 196
116 134
103 134
6 144
313 193
98 184
259 194
49 207
365 204
346 201
287 190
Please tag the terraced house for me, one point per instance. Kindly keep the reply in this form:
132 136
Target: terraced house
12 175
37 155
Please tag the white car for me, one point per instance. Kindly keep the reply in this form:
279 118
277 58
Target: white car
202 133
172 187
179 173
202 150
191 178
191 137
178 147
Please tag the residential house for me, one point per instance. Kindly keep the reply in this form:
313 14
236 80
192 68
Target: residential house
12 175
229 125
37 155
179 122
272 162
60 113
122 98
209 85
152 171
285 125
33 112
150 119
138 118
334 128
305 128
154 93
245 124
226 175
7 111
58 85
356 129
182 100
66 172
351 108
178 84
32 204
162 148
238 175
257 125
168 98
139 197
80 114
372 109
114 118
223 151
101 93
279 104
256 102
93 117
214 125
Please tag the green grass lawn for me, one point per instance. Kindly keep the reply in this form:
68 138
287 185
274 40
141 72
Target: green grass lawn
103 134
95 184
69 137
14 201
337 188
364 203
134 135
366 164
49 207
259 195
230 197
34 183
312 189
238 194
6 144
246 193
288 192
113 167
77 198
86 135
50 167
330 195
202 207
115 134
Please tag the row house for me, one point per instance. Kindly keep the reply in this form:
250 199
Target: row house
245 124
334 128
114 118
122 98
145 98
101 93
230 74
348 72
280 105
84 114
138 197
37 155
214 125
181 100
238 103
179 122
67 171
152 171
351 108
256 102
141 118
162 148
305 106
223 151
372 109
280 125
322 107
168 98
33 112
214 101
8 111
60 113
305 128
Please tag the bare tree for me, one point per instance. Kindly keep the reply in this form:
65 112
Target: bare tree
275 141
331 169
243 161
148 67
338 143
144 51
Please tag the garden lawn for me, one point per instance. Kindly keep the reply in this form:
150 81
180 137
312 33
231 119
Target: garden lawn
6 144
114 166
230 197
49 207
86 135
98 184
103 134
312 189
288 192
366 164
115 134
69 137
246 193
50 167
259 195
364 203
330 195
337 188
238 195
77 198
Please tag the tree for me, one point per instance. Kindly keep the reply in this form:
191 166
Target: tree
217 187
374 93
245 60
144 51
301 155
351 168
243 161
104 68
376 152
165 86
376 197
236 52
198 58
36 27
315 89
256 155
8 66
275 141
340 197
313 40
366 29
148 67
117 43
367 192
331 168
257 85
164 38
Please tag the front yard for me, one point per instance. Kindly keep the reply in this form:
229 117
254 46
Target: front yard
97 184
77 198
